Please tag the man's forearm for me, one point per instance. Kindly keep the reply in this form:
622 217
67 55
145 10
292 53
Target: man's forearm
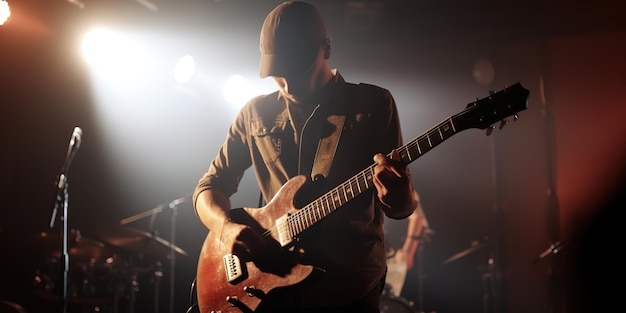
212 208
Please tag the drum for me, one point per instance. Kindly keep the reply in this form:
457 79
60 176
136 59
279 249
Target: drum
395 305
91 276
89 283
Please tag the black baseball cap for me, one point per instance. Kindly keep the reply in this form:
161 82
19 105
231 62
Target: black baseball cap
290 38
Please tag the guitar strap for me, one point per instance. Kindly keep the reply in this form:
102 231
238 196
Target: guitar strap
327 147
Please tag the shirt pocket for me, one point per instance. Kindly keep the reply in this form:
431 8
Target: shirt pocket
268 137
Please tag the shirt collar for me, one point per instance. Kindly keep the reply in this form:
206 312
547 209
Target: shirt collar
336 79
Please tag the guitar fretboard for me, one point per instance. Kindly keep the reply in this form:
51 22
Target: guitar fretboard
313 212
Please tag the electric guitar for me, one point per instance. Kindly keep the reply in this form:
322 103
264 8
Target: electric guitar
227 284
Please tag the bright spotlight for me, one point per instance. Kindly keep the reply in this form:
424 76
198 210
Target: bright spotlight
116 56
96 44
5 12
184 69
237 91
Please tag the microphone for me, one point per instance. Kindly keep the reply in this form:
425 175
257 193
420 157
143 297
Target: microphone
179 201
76 136
75 141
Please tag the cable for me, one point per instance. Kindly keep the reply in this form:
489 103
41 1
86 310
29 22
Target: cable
192 293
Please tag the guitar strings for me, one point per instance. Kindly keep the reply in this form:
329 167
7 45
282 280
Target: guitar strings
313 212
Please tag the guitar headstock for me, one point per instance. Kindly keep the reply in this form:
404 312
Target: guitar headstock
483 113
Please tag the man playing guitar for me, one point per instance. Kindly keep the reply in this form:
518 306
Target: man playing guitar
289 256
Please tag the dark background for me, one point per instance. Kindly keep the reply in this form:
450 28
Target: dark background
551 177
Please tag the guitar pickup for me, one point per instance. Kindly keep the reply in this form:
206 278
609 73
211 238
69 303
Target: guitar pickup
285 236
235 271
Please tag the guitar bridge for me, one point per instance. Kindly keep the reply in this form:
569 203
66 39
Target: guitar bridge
235 271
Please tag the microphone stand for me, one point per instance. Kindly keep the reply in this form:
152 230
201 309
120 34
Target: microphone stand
423 238
65 257
173 206
62 199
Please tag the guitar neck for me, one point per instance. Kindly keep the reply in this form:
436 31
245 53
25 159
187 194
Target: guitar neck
359 183
479 114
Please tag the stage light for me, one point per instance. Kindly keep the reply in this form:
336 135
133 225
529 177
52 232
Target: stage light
483 71
117 57
5 12
237 90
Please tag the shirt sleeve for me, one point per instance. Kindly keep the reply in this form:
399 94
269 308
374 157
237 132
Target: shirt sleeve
233 158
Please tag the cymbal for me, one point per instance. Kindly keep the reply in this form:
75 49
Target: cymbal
475 247
79 247
138 241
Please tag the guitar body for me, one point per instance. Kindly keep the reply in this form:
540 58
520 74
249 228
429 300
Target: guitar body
215 292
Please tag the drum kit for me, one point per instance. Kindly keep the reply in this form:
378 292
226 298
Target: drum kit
391 300
105 269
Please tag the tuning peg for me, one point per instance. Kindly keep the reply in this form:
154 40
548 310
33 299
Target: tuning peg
515 117
502 123
490 130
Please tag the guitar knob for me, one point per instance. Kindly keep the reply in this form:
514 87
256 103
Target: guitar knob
232 300
253 292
